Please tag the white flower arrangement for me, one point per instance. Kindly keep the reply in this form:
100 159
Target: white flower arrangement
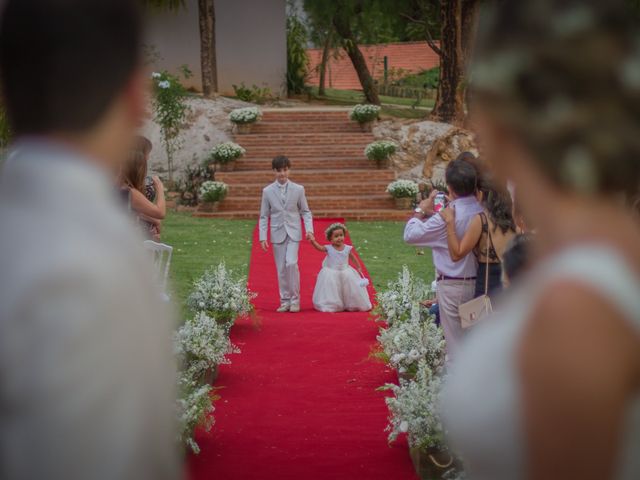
414 409
227 152
156 75
395 304
245 115
364 113
221 295
380 150
202 344
403 189
213 191
405 344
164 84
194 408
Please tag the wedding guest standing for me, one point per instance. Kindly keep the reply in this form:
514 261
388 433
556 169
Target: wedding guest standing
86 369
456 279
549 388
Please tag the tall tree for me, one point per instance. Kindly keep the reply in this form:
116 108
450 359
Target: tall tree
207 25
208 62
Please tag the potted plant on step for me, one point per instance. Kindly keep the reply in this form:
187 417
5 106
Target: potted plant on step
404 192
244 118
365 115
211 194
380 152
225 155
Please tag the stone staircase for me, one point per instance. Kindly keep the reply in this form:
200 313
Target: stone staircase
327 154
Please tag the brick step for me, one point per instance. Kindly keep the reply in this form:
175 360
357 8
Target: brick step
305 138
346 176
286 115
303 163
234 203
263 127
324 189
305 150
347 214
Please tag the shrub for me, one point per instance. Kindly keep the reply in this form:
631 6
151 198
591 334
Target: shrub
227 152
192 180
245 115
254 94
364 113
213 191
403 189
221 295
170 112
380 150
297 58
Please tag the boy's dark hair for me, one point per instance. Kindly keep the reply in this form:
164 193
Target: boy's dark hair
280 162
461 177
62 62
517 255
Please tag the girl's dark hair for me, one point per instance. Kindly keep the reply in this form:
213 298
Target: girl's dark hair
497 201
135 170
517 255
143 144
334 228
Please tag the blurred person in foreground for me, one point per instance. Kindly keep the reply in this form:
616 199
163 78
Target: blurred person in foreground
86 371
549 387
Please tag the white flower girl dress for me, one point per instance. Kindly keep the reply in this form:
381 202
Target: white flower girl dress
339 286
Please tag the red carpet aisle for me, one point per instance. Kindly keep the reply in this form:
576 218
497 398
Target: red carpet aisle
299 402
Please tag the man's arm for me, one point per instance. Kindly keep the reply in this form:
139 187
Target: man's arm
263 222
305 213
430 233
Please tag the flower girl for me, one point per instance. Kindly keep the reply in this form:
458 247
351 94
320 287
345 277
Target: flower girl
339 286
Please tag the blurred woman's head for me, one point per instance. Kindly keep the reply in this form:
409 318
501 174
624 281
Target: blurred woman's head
556 97
135 169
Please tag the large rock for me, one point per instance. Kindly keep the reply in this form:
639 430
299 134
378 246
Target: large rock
207 125
425 147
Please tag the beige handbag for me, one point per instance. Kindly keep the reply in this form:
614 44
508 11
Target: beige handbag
473 311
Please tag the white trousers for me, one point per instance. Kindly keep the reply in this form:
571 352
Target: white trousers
452 293
286 257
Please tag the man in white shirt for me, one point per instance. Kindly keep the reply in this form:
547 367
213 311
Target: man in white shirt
87 380
283 203
456 280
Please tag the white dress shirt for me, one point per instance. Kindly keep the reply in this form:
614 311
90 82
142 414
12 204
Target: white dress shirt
433 233
87 377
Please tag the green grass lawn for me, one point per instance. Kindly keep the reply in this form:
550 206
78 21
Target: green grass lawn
200 243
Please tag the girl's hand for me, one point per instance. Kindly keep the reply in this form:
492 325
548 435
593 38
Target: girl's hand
448 214
157 182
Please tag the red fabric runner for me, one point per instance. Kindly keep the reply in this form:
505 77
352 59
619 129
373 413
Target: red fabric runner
300 402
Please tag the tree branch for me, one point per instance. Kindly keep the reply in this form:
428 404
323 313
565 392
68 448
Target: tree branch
428 36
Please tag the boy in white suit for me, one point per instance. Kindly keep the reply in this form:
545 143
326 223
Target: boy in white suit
284 202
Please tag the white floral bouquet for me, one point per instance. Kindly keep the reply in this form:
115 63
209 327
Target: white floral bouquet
194 408
414 409
364 113
242 116
395 304
221 295
406 344
403 189
202 344
380 150
227 152
213 191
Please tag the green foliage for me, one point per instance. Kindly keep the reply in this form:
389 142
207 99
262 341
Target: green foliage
380 150
213 191
170 111
254 94
424 79
189 186
297 59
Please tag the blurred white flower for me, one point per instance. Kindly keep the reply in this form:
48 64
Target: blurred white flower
155 75
404 426
164 84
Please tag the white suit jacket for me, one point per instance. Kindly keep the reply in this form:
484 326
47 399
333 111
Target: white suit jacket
285 219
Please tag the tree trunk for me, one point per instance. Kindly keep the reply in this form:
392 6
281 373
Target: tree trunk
208 64
449 105
357 59
323 64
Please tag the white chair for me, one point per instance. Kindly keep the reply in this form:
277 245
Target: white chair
161 254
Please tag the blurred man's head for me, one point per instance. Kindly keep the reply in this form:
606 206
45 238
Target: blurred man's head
461 178
70 69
